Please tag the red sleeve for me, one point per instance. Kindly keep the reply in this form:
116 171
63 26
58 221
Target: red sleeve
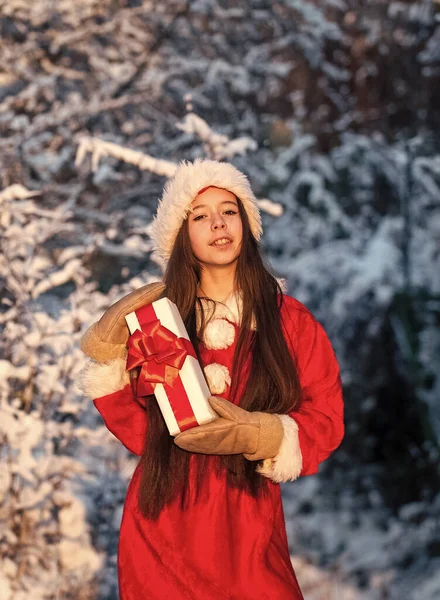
108 384
125 418
320 417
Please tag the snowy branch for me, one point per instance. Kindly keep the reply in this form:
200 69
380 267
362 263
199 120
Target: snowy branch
17 192
100 148
216 145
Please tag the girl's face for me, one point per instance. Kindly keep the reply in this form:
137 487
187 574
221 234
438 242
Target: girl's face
215 228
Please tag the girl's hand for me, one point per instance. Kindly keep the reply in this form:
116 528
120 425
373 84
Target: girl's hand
257 435
106 339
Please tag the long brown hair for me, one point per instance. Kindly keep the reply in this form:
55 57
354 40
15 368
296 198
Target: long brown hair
272 384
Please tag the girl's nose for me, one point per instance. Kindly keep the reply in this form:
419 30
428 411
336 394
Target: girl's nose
218 222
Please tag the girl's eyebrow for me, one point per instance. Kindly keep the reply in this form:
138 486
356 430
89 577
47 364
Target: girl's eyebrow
224 202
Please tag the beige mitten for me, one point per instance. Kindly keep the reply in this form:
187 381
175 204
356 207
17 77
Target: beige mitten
257 435
106 339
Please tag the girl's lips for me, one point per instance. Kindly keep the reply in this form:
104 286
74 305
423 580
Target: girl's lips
222 245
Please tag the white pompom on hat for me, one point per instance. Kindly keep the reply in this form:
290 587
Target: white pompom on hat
179 192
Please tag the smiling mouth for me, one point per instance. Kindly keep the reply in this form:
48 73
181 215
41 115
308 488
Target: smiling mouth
222 242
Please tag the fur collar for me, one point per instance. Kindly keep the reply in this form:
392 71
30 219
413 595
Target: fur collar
231 310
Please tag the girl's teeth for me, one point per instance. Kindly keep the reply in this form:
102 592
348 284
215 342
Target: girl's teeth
221 243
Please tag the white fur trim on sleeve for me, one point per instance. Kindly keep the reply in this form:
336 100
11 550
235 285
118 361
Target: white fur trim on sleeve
101 379
287 464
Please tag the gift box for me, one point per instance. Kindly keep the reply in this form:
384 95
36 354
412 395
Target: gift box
160 345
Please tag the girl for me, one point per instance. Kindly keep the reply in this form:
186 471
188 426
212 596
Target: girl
203 517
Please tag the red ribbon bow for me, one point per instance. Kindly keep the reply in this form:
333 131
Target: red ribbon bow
160 353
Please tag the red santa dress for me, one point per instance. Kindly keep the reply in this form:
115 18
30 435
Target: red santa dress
226 545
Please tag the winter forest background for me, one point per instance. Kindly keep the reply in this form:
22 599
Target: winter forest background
332 109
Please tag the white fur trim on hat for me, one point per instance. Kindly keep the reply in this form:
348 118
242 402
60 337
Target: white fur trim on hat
287 464
219 334
218 377
100 379
180 191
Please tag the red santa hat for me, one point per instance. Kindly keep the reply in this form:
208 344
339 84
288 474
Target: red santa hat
189 180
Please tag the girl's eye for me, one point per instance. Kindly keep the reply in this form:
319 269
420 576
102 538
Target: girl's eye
230 211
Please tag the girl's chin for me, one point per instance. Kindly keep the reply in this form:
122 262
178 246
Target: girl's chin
219 260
